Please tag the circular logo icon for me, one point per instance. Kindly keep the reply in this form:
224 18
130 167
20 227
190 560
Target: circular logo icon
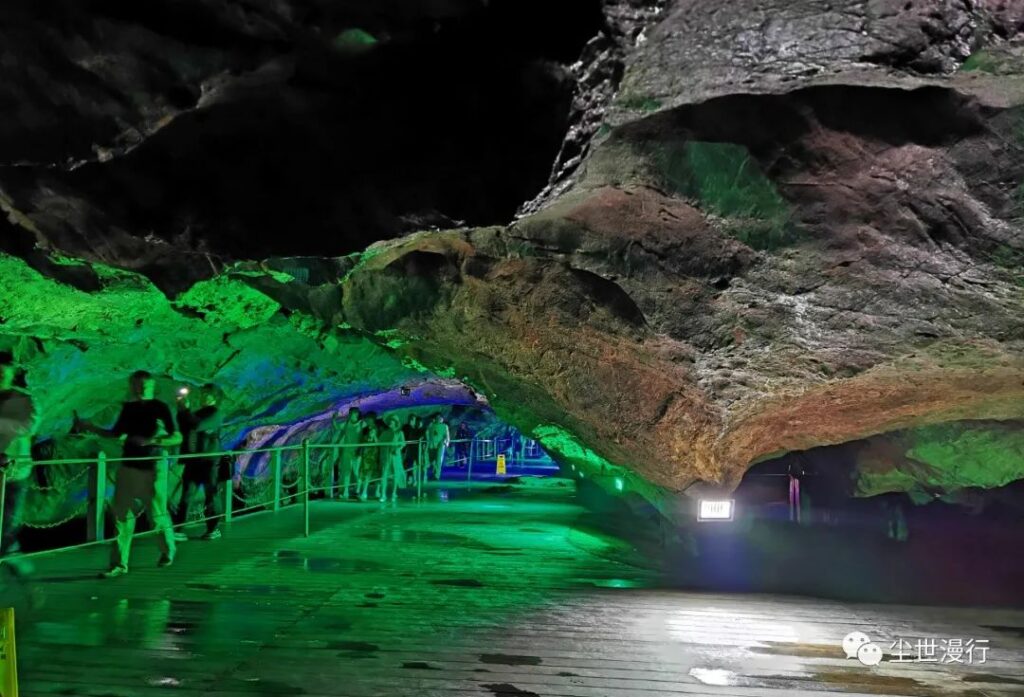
869 654
853 641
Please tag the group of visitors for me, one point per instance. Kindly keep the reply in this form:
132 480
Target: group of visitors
150 431
383 452
371 451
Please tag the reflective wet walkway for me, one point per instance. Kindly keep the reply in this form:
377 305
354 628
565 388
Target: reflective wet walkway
501 594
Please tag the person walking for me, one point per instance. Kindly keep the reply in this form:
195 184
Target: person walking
200 430
18 419
393 466
438 438
414 431
148 428
461 446
371 460
348 458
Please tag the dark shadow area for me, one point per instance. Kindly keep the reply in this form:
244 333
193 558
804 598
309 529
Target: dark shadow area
800 529
957 550
320 128
928 116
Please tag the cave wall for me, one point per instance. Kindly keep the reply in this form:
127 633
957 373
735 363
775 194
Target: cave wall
173 136
768 262
77 347
770 226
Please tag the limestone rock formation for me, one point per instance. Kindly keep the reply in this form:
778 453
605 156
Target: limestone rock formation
764 260
80 336
773 225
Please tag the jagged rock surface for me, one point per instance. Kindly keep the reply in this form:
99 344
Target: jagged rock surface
80 331
799 225
172 137
749 274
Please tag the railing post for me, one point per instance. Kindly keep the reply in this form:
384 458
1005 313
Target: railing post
229 496
794 499
8 654
306 482
3 502
469 465
275 463
97 499
418 469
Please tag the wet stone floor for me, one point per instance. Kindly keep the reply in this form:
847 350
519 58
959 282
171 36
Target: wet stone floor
500 594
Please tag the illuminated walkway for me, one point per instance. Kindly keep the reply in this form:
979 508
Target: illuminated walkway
498 594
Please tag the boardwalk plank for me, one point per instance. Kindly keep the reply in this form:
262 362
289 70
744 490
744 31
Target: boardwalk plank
487 595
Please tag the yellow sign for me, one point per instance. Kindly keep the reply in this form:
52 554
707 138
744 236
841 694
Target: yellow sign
501 464
8 658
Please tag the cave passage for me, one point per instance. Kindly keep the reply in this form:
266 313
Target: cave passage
482 450
479 439
801 527
512 572
511 348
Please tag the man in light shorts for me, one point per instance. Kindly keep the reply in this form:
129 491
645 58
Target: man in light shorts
148 428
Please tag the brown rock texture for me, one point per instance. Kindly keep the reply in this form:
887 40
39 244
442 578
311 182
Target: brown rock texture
765 261
773 224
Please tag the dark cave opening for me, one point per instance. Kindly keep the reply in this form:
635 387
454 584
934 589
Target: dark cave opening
802 526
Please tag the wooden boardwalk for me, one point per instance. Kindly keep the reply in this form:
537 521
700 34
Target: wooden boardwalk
500 594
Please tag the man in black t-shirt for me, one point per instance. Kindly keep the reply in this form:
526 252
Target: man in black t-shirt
201 431
148 429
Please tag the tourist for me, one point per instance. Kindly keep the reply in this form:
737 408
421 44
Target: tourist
438 439
413 431
461 449
17 425
348 458
148 429
200 430
369 469
327 458
393 467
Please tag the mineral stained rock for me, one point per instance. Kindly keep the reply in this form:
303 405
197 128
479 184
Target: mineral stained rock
801 231
799 223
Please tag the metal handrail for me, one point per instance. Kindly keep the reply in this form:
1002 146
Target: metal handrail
99 485
221 453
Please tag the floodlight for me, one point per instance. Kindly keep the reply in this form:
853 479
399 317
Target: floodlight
715 509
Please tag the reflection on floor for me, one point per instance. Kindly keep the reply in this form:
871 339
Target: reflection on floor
498 594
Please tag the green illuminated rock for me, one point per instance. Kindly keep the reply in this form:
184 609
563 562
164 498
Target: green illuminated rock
942 458
797 226
354 41
79 346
